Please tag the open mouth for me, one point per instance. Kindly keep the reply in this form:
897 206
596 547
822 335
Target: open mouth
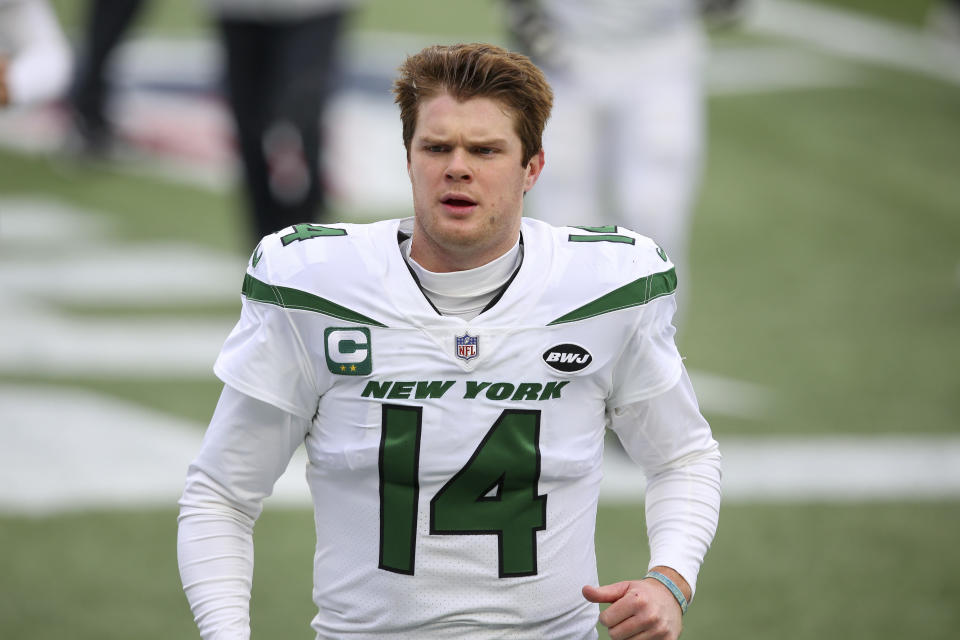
458 202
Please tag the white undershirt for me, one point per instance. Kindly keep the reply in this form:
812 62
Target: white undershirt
465 294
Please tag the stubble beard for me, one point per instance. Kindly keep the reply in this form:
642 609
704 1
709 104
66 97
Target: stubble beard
466 248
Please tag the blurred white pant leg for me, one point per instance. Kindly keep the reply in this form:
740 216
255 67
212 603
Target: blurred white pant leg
567 191
660 145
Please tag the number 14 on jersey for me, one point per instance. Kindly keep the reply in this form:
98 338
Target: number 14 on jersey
495 493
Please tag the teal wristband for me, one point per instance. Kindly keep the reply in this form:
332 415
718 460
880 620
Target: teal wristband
669 584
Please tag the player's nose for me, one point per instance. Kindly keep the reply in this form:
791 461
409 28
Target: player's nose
458 166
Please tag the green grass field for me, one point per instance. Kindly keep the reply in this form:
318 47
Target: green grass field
790 572
826 271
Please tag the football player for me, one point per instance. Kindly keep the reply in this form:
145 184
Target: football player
451 376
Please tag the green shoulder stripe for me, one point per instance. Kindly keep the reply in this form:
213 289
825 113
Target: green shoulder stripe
289 298
636 293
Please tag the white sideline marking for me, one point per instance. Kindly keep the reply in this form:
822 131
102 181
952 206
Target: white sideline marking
738 70
857 36
842 468
41 343
78 264
63 449
35 222
52 251
127 274
819 468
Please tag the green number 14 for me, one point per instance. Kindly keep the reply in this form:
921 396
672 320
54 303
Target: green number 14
495 493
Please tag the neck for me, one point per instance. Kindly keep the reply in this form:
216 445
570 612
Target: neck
446 258
465 294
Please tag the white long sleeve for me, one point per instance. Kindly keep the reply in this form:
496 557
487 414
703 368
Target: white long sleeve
40 56
670 439
245 449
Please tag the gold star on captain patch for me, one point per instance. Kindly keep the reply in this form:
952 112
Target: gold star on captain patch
343 367
353 367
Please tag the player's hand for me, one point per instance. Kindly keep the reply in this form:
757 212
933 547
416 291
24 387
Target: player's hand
640 609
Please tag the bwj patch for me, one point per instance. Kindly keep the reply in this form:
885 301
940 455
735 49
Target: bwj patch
467 346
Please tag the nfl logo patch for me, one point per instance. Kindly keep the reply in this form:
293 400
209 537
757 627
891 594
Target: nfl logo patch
467 346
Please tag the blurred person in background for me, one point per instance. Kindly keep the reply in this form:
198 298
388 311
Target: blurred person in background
281 66
35 56
627 135
105 24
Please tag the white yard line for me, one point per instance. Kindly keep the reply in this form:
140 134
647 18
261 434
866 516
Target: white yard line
856 36
63 449
821 468
750 69
39 342
126 274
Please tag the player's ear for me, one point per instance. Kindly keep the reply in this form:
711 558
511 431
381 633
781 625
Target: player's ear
533 169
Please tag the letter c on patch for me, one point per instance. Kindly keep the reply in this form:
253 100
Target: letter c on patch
347 345
349 350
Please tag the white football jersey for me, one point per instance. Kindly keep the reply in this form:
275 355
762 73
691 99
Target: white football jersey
454 465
